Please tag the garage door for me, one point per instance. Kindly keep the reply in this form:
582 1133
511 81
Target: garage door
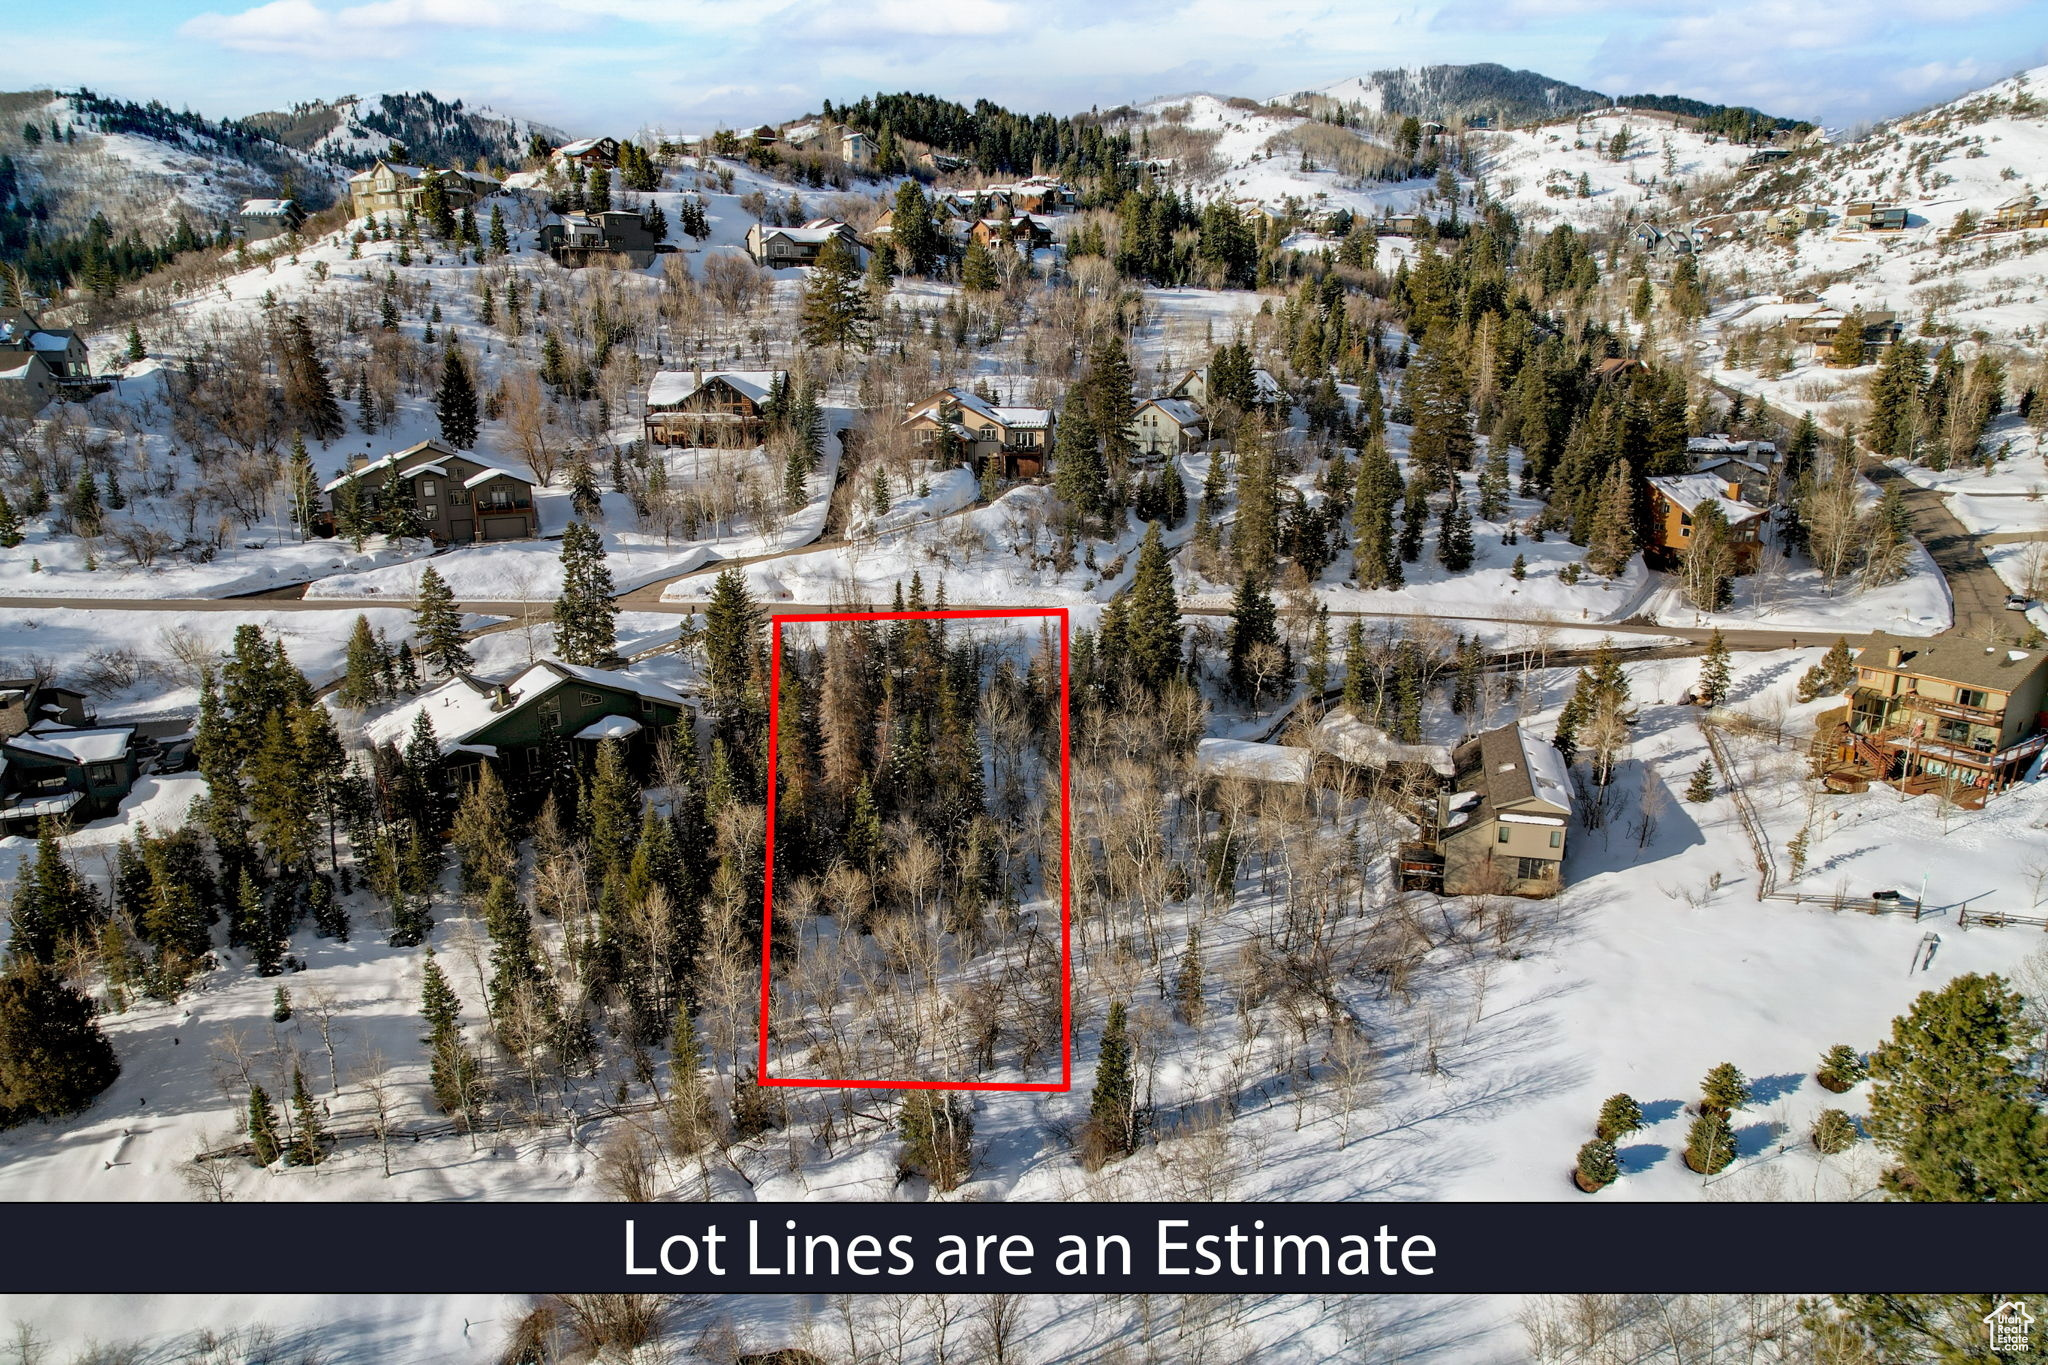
461 530
504 528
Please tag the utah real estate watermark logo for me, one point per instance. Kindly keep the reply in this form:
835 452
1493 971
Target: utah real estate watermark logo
2010 1326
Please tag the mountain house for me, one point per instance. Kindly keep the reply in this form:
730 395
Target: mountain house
461 497
724 409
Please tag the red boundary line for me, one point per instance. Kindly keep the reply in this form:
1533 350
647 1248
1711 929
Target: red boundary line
1066 1080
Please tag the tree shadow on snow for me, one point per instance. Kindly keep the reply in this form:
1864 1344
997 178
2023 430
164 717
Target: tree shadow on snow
1640 1156
1656 1111
1765 1089
1753 1139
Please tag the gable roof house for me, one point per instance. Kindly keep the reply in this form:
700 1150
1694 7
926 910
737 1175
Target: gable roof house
522 722
1194 386
1867 215
262 219
1755 465
1168 426
1500 828
575 239
590 151
26 703
75 775
1676 498
26 384
781 247
1021 436
1023 232
724 409
1926 713
2021 211
395 186
62 349
460 496
1818 328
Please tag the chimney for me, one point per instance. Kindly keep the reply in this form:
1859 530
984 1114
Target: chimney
502 699
1894 656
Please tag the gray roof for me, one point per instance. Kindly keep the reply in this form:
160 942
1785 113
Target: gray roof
1969 662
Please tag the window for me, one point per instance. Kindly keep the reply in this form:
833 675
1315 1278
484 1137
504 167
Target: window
551 716
458 499
589 699
1970 696
433 509
426 488
1535 869
647 706
924 436
1504 833
1557 838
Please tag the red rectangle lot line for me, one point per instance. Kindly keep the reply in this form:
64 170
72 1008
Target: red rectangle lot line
1066 1080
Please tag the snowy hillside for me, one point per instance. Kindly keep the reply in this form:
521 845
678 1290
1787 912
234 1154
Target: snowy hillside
1439 92
1965 157
1236 150
357 129
1568 171
142 166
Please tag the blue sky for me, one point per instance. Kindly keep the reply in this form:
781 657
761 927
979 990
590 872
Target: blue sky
594 66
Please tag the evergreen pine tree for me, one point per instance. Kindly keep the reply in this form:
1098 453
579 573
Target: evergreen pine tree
500 243
309 1136
83 506
10 524
585 614
1077 472
1834 1132
136 350
367 666
53 906
1701 788
1709 1143
453 1070
1712 688
1724 1090
1493 482
1116 1122
437 626
1832 674
53 1057
1253 623
1951 1099
1847 350
1841 1067
1611 543
1414 518
455 401
834 311
308 392
264 1147
978 273
1620 1115
1454 533
1597 1166
1153 627
732 646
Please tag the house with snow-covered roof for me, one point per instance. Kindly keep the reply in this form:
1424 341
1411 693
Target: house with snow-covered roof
1020 436
1023 232
725 409
590 151
781 247
263 219
1675 503
395 186
527 722
61 349
26 384
1168 426
1501 825
574 239
1194 386
71 775
27 702
458 496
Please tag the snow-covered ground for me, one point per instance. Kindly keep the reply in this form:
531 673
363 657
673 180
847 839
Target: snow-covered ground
1539 171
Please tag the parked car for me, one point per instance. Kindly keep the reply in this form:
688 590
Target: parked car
2015 601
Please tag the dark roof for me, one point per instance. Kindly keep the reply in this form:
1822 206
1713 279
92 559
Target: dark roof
1995 667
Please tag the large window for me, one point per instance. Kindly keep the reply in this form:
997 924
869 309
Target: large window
1535 869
